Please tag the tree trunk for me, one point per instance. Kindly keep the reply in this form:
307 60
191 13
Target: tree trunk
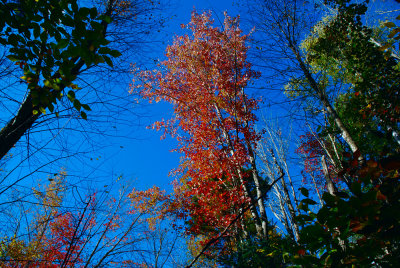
256 177
17 127
23 121
325 102
288 202
330 185
332 190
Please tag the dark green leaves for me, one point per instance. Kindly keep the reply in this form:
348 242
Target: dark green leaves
63 43
304 191
48 39
105 18
83 115
71 95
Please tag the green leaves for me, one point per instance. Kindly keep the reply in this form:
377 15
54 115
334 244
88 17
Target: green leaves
48 40
352 223
83 115
63 43
77 104
105 18
308 201
12 58
71 95
107 51
108 61
304 191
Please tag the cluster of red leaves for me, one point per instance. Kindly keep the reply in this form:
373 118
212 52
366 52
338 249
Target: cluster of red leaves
204 78
65 240
213 205
60 245
311 151
62 242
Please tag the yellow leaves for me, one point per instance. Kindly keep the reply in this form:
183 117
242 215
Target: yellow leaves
50 198
14 249
74 86
151 204
145 201
37 193
53 193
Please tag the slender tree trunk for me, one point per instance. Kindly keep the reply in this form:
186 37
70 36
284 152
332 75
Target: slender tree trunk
330 185
288 202
259 192
332 190
332 139
296 202
316 189
325 102
258 221
256 177
289 230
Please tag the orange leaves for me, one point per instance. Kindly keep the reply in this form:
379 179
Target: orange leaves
154 203
204 77
144 201
301 252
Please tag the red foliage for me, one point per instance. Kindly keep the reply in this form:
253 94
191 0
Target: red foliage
61 246
213 205
63 243
204 78
311 151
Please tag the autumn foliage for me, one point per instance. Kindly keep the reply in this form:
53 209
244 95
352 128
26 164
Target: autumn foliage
311 149
204 78
100 229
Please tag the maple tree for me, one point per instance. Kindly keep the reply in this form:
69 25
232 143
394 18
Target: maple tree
204 78
220 198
